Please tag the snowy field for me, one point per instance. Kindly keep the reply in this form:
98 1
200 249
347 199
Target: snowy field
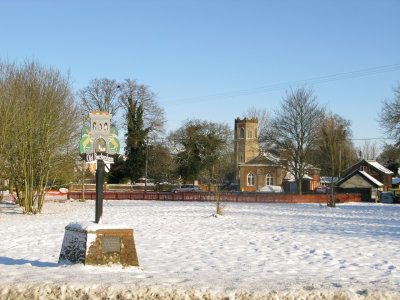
256 251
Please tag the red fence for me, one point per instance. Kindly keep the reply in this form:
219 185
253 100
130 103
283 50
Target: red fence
212 197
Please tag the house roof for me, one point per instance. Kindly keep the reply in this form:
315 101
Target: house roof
378 166
325 179
363 174
290 177
265 159
372 163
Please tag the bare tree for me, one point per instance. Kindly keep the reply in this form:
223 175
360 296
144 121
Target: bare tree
45 128
390 116
295 129
153 114
334 132
102 95
368 151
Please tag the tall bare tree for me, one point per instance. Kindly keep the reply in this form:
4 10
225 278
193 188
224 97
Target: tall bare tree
369 150
102 95
390 116
295 129
334 133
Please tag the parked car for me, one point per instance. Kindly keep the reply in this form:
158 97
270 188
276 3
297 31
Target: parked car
386 197
186 188
322 190
270 189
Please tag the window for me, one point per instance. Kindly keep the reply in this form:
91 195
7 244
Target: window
249 135
241 157
242 133
269 179
251 179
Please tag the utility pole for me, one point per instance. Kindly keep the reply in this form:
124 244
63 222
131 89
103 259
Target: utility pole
147 155
83 170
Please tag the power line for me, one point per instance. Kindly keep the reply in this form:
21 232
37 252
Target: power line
166 139
309 81
370 139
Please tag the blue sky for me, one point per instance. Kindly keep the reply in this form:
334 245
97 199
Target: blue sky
212 60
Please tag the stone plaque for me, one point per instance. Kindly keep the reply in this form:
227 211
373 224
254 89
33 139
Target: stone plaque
111 243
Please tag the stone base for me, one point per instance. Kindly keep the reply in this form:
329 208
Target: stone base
98 244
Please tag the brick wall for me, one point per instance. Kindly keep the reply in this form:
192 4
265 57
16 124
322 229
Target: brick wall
212 197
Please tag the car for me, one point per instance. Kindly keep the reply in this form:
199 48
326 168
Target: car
270 189
186 188
322 190
386 197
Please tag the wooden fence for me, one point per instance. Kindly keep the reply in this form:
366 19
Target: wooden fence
212 197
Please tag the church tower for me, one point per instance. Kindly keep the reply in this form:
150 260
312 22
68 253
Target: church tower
246 141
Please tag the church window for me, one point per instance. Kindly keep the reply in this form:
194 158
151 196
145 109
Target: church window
242 133
269 179
250 135
251 179
241 157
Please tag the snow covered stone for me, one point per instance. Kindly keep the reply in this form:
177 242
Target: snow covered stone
98 244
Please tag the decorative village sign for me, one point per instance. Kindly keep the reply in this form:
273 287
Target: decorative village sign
97 145
97 244
99 141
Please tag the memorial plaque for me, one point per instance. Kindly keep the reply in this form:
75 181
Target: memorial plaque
111 243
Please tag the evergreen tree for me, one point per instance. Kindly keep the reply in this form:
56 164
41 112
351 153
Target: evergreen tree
117 170
135 149
199 146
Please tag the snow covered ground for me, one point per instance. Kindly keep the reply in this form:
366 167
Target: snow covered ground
277 251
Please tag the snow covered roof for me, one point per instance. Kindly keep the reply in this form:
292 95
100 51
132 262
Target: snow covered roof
290 177
368 177
396 180
265 158
378 166
372 163
272 157
325 179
